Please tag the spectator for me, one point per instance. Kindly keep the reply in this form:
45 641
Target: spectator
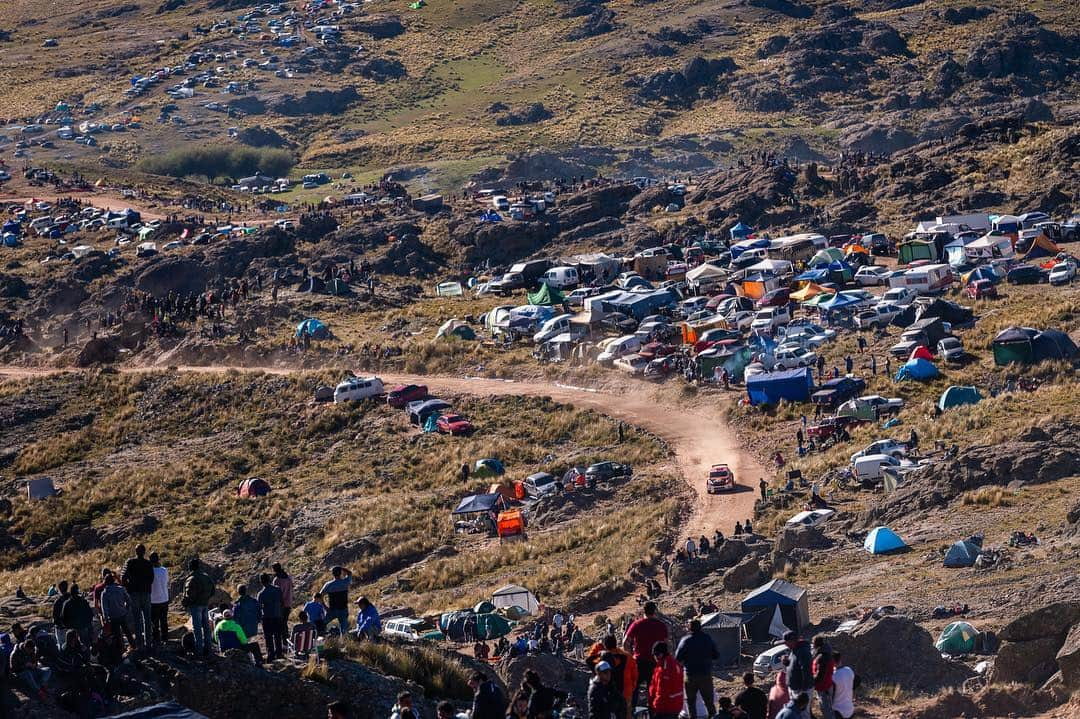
542 699
247 612
138 579
198 589
800 674
844 693
752 701
604 702
273 620
666 686
797 708
316 612
696 653
284 582
116 611
336 592
78 616
58 612
778 694
24 669
641 636
519 708
368 623
488 700
159 601
229 625
823 675
403 709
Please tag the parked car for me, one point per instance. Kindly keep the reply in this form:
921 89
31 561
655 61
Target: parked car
880 315
721 479
771 660
981 290
899 296
791 357
540 484
951 349
1062 272
453 424
834 392
401 395
884 405
872 466
872 276
775 298
633 364
807 334
810 517
577 297
410 629
890 447
1025 275
607 471
769 319
357 388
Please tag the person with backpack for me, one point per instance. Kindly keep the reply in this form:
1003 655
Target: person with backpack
800 673
273 610
77 615
116 612
666 691
336 592
138 579
488 700
198 590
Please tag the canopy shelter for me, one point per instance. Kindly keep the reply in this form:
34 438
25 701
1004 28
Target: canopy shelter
481 503
793 385
705 274
808 291
883 540
514 595
956 396
740 231
773 604
726 631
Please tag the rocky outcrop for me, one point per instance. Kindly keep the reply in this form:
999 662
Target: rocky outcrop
1068 659
317 102
173 274
745 575
380 27
1032 641
1028 662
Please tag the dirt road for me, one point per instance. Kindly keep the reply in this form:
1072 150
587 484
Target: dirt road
695 431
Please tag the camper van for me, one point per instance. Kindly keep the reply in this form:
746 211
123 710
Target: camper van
357 388
618 347
872 466
561 277
930 278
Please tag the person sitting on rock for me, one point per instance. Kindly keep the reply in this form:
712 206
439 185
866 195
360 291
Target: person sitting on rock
229 625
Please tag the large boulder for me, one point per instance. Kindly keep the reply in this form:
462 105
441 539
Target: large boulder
1053 620
100 350
728 554
1068 659
1029 662
554 672
896 650
173 274
745 575
802 537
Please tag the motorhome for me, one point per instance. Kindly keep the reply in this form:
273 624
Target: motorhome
929 278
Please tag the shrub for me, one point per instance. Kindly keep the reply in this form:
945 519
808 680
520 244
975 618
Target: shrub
219 162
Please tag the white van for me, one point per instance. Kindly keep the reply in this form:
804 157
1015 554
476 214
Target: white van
619 347
561 278
926 279
552 328
872 466
41 223
356 388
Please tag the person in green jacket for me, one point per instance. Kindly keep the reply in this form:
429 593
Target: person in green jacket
228 624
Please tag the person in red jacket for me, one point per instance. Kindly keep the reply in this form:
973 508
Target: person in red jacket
666 686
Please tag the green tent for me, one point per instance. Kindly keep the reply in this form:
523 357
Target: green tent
915 250
956 395
484 607
818 299
491 626
826 257
486 468
1014 345
957 638
546 295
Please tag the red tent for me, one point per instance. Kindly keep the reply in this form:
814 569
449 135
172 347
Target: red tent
921 352
254 487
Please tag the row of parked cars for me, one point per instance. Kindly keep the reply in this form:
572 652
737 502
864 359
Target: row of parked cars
414 399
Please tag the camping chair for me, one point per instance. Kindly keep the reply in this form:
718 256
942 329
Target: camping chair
302 642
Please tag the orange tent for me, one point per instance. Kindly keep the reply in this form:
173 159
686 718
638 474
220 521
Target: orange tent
510 523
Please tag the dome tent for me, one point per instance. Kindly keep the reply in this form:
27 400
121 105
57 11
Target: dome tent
883 540
488 467
484 607
919 369
963 553
253 487
513 595
313 327
955 396
957 638
921 352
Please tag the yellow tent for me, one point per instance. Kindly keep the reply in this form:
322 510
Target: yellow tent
809 291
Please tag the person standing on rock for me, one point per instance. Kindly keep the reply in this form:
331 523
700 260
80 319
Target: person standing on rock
116 612
138 578
58 612
284 582
198 590
696 653
691 548
666 567
272 618
764 486
336 592
159 601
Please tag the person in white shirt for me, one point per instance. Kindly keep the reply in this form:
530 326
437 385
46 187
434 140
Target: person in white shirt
159 601
691 548
843 688
557 621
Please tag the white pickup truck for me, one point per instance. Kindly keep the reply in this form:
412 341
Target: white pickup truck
767 320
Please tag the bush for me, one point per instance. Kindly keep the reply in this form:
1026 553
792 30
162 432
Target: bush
220 162
439 674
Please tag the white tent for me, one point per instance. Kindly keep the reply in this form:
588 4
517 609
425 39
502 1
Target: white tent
779 267
777 628
513 595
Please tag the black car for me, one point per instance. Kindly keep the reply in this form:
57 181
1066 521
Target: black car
607 471
835 392
1025 275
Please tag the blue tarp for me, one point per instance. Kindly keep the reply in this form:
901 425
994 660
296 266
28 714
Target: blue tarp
817 276
313 327
919 369
883 540
837 302
478 503
740 247
793 385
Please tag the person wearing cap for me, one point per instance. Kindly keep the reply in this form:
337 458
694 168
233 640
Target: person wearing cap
604 701
368 623
797 708
666 693
800 673
229 624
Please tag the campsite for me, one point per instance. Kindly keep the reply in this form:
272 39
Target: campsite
437 352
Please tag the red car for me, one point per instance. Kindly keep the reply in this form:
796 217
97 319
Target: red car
452 424
720 479
981 290
775 298
405 393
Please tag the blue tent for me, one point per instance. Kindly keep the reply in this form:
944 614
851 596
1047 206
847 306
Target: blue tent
956 395
919 369
10 239
740 247
838 302
313 327
13 226
740 232
817 276
963 553
794 385
983 272
883 540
